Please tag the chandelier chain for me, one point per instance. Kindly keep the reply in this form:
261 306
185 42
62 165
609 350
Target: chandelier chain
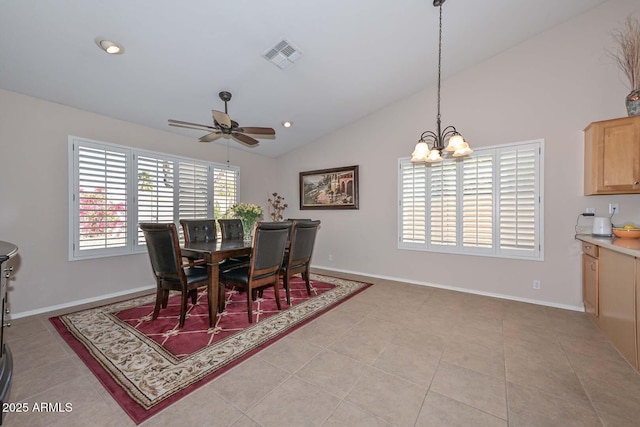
439 59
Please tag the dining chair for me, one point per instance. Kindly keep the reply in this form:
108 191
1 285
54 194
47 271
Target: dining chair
263 271
171 275
298 258
198 230
231 229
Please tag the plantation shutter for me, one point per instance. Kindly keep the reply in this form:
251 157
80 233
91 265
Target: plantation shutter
100 198
154 192
442 203
225 190
477 202
488 203
413 197
518 199
193 191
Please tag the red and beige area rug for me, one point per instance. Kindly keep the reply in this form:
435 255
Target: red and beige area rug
147 365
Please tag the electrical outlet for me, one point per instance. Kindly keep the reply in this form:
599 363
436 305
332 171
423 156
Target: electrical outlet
590 210
614 208
536 285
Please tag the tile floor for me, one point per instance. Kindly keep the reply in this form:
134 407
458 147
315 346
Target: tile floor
395 355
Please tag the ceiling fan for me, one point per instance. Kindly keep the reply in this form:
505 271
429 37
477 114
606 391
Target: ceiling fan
223 126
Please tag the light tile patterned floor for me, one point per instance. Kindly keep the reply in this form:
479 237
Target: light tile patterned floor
395 355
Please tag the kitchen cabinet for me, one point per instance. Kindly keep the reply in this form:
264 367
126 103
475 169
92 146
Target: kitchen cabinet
617 301
612 157
638 313
590 295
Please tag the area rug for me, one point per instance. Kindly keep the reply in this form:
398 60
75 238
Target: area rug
148 365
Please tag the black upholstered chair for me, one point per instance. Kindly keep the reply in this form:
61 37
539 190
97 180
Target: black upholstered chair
298 258
266 259
199 230
166 261
231 229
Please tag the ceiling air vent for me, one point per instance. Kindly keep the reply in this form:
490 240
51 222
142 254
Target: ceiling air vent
283 54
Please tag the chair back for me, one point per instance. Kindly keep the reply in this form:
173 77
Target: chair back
164 251
199 230
231 229
269 244
303 238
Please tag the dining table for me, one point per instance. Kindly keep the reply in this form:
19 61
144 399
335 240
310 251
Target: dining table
213 252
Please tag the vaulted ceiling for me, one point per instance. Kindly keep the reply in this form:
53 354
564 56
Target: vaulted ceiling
357 56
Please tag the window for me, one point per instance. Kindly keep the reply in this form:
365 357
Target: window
489 203
112 188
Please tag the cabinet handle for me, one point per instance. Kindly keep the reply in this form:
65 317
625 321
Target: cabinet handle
593 266
636 182
587 247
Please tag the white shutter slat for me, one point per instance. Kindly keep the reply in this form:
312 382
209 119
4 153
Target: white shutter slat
443 204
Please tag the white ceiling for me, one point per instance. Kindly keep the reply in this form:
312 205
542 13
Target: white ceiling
358 56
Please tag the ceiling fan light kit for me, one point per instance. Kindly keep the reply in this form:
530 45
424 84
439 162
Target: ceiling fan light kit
224 127
431 145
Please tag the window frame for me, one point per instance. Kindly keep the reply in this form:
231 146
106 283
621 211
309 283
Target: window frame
132 166
419 184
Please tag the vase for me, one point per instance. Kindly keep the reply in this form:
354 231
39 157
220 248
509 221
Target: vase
248 228
633 103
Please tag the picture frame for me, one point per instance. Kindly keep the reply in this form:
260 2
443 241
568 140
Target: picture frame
335 188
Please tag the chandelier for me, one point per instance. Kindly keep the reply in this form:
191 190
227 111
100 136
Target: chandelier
431 145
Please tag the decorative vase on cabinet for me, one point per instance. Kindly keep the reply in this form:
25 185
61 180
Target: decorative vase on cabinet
633 103
612 157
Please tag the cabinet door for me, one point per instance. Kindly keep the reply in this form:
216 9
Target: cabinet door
612 156
590 284
618 301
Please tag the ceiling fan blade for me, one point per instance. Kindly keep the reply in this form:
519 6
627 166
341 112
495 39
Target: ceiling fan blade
210 137
244 139
189 125
221 118
257 131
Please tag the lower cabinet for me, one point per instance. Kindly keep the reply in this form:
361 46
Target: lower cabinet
617 302
590 275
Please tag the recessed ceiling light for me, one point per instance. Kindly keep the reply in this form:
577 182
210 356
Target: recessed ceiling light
287 123
110 47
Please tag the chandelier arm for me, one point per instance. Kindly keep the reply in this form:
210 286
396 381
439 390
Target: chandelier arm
448 132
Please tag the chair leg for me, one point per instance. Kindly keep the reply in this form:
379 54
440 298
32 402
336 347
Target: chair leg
221 296
165 298
250 304
183 308
276 291
194 296
305 276
286 287
159 299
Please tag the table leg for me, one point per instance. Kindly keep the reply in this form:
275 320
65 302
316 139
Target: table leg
212 292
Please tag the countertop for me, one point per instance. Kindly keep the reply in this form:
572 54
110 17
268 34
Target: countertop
626 246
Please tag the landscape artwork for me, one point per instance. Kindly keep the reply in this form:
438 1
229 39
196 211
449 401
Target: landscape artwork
335 188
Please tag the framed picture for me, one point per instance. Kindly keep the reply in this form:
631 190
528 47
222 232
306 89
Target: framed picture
329 188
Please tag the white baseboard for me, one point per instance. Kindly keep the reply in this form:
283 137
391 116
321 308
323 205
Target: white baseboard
453 288
80 302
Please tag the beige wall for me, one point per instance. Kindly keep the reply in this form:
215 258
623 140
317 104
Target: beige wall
549 87
34 214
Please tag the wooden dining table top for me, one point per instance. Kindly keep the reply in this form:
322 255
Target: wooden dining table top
218 250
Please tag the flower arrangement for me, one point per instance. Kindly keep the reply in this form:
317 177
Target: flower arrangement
276 207
248 213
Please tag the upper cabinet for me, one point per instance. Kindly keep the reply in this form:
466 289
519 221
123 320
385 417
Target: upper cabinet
612 157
